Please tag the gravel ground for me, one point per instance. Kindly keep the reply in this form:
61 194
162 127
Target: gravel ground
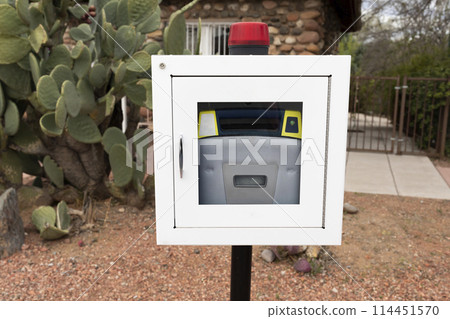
395 249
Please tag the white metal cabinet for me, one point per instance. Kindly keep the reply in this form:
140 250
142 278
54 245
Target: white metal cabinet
181 82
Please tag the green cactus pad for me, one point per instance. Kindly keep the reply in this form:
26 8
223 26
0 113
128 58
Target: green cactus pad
47 92
152 48
35 69
76 50
147 84
27 141
53 233
81 33
123 174
25 64
125 41
13 48
48 125
174 38
113 136
72 100
37 38
139 62
108 34
120 73
83 129
11 23
43 216
22 10
150 24
136 93
62 216
139 10
32 98
82 64
121 14
62 73
175 32
55 27
61 113
2 101
78 11
12 118
86 94
110 102
10 167
36 17
15 77
60 55
140 39
54 172
110 11
97 75
98 115
14 94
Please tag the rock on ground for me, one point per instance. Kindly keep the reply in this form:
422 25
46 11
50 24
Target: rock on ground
302 265
350 209
268 255
12 235
313 251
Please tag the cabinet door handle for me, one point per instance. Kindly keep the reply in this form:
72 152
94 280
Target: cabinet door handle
180 156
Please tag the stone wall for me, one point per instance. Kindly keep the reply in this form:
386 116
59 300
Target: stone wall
304 27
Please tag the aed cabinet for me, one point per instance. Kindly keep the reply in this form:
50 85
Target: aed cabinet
256 149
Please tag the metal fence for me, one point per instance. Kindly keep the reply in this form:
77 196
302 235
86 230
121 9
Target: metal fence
372 107
411 118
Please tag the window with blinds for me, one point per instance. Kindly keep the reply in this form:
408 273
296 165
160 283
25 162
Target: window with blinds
214 37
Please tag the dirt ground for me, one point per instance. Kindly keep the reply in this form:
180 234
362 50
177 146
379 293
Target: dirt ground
395 248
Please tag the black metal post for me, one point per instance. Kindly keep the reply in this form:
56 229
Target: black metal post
241 273
245 38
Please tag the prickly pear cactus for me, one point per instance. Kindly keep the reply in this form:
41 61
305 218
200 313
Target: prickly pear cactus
54 173
62 216
50 223
58 102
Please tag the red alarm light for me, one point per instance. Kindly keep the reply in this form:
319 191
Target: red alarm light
249 33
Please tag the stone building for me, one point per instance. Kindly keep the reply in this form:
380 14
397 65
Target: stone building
304 27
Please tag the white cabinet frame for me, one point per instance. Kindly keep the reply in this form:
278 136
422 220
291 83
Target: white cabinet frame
321 83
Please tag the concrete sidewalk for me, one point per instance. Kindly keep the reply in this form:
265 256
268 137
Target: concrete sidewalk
403 175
